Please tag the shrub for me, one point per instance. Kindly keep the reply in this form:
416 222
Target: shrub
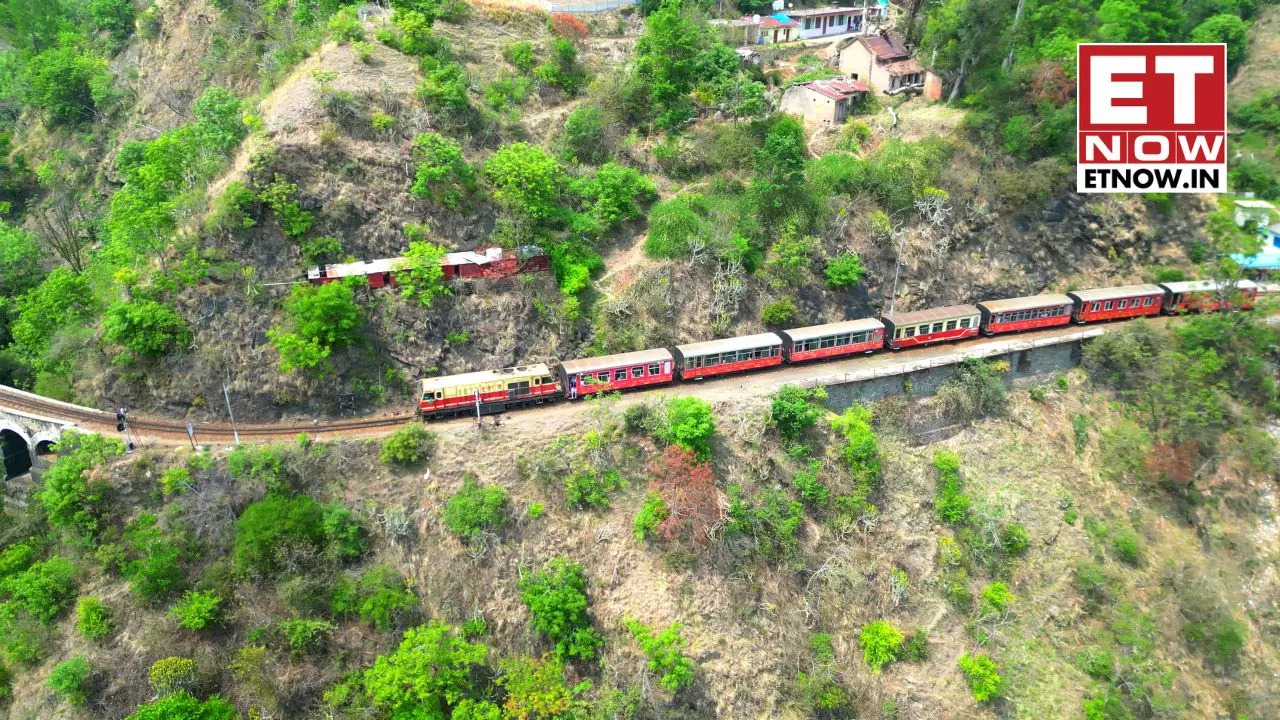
583 138
881 643
520 54
527 182
843 270
996 599
70 679
475 508
687 493
379 598
430 671
811 489
68 84
1014 539
950 501
690 424
588 488
277 524
1222 638
651 515
305 637
154 570
771 524
535 689
146 328
795 409
176 480
974 390
1127 546
778 313
917 646
443 173
1093 584
173 674
409 445
93 621
556 597
983 677
182 705
72 500
198 610
666 659
44 589
345 26
344 536
322 318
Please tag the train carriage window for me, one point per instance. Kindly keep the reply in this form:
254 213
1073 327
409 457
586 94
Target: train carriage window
937 327
842 339
1122 305
1146 302
1106 305
828 341
439 395
951 325
655 369
911 332
857 338
620 374
711 360
964 323
897 335
603 376
637 372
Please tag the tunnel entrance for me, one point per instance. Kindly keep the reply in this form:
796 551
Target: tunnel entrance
16 454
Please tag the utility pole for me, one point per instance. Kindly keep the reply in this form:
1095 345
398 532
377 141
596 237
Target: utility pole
227 396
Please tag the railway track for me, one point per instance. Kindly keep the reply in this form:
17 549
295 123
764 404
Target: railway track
161 429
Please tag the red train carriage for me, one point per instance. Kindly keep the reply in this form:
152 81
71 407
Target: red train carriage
730 355
487 391
924 327
617 372
380 272
491 263
1207 295
832 339
1025 313
1116 302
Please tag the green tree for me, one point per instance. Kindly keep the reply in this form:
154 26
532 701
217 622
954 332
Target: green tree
690 424
779 188
274 525
115 17
145 327
63 299
795 409
527 182
322 318
778 313
44 589
67 84
665 652
563 69
408 445
983 677
428 674
475 509
1140 20
557 598
443 173
444 90
843 270
615 193
535 689
198 610
583 138
963 35
663 70
1229 29
73 501
182 706
421 276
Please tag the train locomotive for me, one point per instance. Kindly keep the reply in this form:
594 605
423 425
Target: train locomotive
494 391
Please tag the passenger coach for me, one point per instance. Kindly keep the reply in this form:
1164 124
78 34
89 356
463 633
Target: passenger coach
616 372
1116 302
833 339
1025 313
487 391
925 327
1206 295
730 355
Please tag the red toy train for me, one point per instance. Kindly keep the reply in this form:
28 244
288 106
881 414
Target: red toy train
495 391
489 264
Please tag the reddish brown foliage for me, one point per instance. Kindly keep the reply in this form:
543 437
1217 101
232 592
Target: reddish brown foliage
567 25
1173 464
1050 83
689 490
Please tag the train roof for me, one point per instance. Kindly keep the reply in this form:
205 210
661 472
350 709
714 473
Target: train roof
605 362
1119 291
734 343
1029 302
931 314
848 326
484 376
356 269
1268 288
1203 286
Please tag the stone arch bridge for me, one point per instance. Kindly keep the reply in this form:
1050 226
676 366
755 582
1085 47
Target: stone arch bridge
25 437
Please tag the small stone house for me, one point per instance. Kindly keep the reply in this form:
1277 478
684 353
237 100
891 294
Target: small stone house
883 62
774 29
1253 212
823 102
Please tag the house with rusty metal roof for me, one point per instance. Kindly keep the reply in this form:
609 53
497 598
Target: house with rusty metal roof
884 63
823 102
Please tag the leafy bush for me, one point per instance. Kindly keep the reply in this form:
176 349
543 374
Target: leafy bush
282 197
379 598
810 488
615 193
881 643
344 25
1093 584
690 501
674 226
176 480
917 646
690 424
983 677
843 270
666 659
146 328
1127 545
563 70
475 509
345 538
275 525
181 705
154 568
556 597
173 674
409 445
651 515
443 173
322 318
198 610
771 524
421 276
73 501
70 679
795 409
68 84
305 637
1014 539
520 54
1221 638
93 621
44 589
429 672
778 313
974 390
527 182
588 488
950 501
535 689
583 138
996 599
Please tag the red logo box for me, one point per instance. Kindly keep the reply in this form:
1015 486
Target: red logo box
1151 117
